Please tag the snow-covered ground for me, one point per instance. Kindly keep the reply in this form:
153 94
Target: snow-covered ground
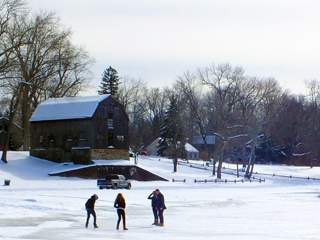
36 206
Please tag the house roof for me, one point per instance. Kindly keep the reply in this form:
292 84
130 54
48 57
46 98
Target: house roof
67 108
152 148
198 140
189 148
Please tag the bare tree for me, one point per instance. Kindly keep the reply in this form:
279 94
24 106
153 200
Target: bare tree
131 94
9 9
156 103
70 75
225 83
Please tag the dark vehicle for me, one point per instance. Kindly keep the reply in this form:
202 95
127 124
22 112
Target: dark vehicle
114 181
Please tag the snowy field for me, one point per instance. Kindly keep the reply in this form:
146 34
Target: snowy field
36 206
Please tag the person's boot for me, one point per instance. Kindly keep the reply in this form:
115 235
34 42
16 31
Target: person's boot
117 226
155 223
95 226
125 228
86 225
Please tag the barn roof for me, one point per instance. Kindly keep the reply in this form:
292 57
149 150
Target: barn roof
67 108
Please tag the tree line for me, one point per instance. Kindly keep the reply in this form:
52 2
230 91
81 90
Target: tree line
242 111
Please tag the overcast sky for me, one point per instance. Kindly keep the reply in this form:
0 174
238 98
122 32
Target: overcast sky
158 40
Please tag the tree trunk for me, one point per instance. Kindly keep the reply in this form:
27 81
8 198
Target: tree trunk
175 164
25 119
7 140
237 168
15 100
250 166
219 170
214 167
6 146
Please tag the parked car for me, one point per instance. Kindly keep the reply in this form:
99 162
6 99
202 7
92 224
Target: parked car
113 181
143 152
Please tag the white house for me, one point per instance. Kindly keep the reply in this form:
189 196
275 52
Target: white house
191 151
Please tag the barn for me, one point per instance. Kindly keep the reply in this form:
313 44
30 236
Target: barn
80 129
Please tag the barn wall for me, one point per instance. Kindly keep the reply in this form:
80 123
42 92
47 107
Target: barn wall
120 125
62 134
110 154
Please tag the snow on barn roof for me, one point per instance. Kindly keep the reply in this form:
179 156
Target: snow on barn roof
189 148
67 108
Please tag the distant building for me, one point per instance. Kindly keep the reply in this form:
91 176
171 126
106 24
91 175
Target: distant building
15 140
204 151
95 125
191 152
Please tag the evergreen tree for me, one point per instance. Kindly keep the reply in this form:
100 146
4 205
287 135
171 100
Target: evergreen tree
110 82
172 140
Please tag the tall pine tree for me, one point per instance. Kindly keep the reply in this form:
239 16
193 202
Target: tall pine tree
172 140
110 82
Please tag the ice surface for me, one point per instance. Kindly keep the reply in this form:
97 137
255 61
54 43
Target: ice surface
36 206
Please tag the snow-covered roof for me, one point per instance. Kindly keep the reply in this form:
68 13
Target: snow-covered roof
67 108
189 148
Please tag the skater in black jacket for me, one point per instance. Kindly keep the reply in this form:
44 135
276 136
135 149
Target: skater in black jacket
153 197
90 210
159 206
120 205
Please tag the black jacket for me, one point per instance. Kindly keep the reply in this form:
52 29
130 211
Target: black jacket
159 202
120 203
90 203
153 198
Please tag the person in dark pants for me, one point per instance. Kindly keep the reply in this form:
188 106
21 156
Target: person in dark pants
90 210
160 206
120 205
153 196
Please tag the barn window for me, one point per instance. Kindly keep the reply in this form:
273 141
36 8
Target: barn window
120 138
41 139
110 139
110 121
52 140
